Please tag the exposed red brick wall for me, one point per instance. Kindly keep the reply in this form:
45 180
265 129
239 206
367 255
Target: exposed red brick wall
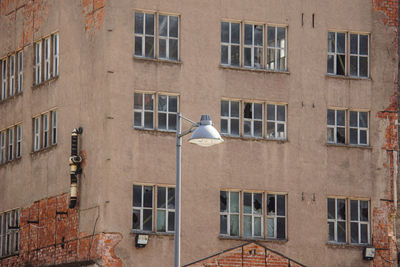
251 254
56 239
93 10
390 9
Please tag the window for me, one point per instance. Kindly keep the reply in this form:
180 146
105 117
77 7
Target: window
336 124
276 216
252 214
43 135
253 47
358 128
20 69
229 213
3 157
165 209
230 117
338 53
12 75
337 220
4 79
253 119
18 149
276 121
9 232
10 144
230 43
167 112
167 39
143 111
276 44
144 212
46 64
359 222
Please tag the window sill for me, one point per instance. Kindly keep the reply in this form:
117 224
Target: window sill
166 61
346 77
253 69
249 138
349 146
10 162
222 237
45 82
10 98
135 232
346 245
155 132
43 150
9 256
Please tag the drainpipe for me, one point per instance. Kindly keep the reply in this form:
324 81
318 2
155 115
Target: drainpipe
75 161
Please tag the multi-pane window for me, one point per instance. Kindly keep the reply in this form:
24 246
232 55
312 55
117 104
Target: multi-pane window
337 53
276 121
165 209
9 232
276 216
359 51
47 60
167 112
4 79
336 126
229 213
10 151
3 141
254 46
230 117
253 214
41 130
230 43
359 222
142 208
276 45
253 119
337 224
167 39
20 71
10 143
358 127
11 75
143 115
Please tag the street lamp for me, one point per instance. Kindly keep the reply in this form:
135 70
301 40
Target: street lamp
204 134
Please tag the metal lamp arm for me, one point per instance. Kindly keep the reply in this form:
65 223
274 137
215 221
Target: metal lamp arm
192 127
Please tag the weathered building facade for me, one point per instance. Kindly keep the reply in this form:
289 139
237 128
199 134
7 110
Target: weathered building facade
304 93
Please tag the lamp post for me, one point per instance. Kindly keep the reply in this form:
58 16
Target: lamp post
204 134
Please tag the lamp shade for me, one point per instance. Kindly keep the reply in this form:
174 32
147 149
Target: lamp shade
205 135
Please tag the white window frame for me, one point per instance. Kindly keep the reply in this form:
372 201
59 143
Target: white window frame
359 222
144 34
229 118
253 46
3 136
252 120
142 208
11 66
167 38
36 131
253 215
54 127
276 48
336 220
10 144
359 128
167 210
275 216
18 148
38 62
336 53
167 113
3 78
9 232
46 59
143 111
45 130
336 126
56 56
228 213
229 44
276 121
358 55
20 69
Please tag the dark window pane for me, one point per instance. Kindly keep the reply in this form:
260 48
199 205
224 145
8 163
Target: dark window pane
331 231
281 36
271 204
223 224
281 113
173 26
330 117
364 211
162 103
364 233
354 210
235 127
235 54
353 43
223 201
248 34
271 59
148 197
171 221
281 130
139 22
353 118
171 198
341 135
137 195
149 24
257 111
341 209
341 117
330 135
235 33
281 206
363 67
147 219
341 232
258 57
353 136
225 32
247 203
149 47
173 49
270 112
270 129
330 64
162 48
224 108
148 120
331 42
258 128
148 102
353 66
235 109
171 122
247 229
162 121
137 119
258 35
138 100
257 203
173 104
248 108
247 128
247 56
224 126
162 25
280 228
341 42
224 54
161 196
363 44
363 138
354 232
271 36
234 224
340 64
138 46
136 219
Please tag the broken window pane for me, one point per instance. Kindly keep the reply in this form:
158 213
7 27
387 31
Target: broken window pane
354 232
341 232
234 225
161 227
137 195
173 26
271 227
247 203
139 22
148 197
161 196
162 25
225 32
223 201
147 219
234 201
364 211
223 224
341 209
331 42
224 54
257 226
341 42
281 206
271 204
171 221
280 228
235 33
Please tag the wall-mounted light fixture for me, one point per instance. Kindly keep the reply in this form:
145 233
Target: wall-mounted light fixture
369 253
141 240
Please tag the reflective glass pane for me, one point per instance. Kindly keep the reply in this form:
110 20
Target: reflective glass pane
162 49
281 206
247 225
340 117
224 108
247 56
148 197
258 58
281 110
354 210
147 219
340 64
271 36
162 103
138 46
248 34
171 221
258 111
341 209
354 232
363 67
173 103
341 232
235 55
353 136
161 197
173 49
225 32
136 219
354 43
149 47
235 33
258 35
341 135
223 198
149 24
364 211
363 137
364 233
161 221
257 226
270 112
162 25
271 59
223 230
271 204
353 66
341 42
234 225
235 127
330 117
162 121
137 119
330 64
234 202
224 126
331 231
247 128
235 109
331 42
148 120
353 118
224 54
173 26
281 131
247 203
281 37
331 135
258 128
137 195
363 44
270 227
280 228
171 198
331 208
139 22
